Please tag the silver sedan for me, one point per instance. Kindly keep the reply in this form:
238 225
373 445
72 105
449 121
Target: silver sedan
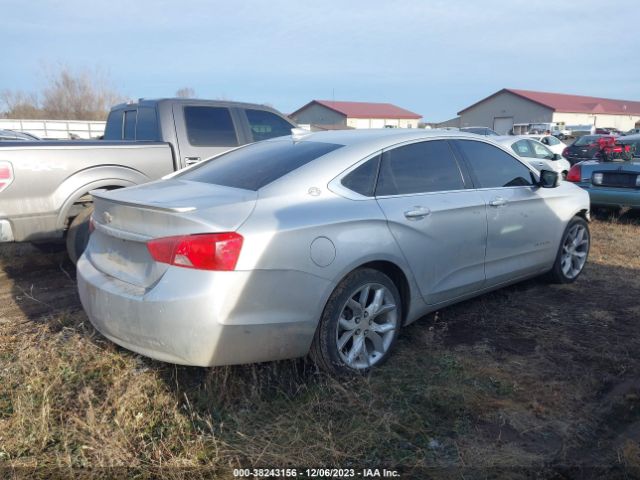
325 243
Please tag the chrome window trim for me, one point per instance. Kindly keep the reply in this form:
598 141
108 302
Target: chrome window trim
336 186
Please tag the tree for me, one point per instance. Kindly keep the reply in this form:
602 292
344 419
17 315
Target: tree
186 92
82 95
20 104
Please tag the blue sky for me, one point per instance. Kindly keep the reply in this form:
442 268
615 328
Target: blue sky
431 57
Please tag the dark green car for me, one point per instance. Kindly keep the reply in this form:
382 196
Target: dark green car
613 184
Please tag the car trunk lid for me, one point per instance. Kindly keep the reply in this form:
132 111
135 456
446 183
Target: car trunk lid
125 220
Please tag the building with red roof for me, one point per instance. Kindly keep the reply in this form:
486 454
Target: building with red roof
511 107
329 114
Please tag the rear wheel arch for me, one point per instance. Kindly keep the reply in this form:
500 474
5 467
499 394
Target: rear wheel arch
397 276
584 213
80 198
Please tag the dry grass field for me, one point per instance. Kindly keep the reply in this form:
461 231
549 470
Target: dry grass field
533 381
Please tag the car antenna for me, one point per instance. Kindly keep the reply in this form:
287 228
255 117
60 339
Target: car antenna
299 133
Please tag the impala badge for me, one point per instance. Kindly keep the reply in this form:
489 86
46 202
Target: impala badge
108 218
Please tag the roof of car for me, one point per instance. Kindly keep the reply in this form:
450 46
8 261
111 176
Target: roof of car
198 101
634 137
384 135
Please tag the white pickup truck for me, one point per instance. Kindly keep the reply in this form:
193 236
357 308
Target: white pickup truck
45 185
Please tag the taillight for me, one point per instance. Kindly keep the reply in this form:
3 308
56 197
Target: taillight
205 251
565 152
574 174
6 175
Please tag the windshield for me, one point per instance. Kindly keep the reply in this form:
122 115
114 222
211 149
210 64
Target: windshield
586 140
256 165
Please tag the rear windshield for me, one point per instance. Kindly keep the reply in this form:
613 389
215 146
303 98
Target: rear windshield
254 166
587 139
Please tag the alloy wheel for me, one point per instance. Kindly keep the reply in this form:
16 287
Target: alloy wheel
366 326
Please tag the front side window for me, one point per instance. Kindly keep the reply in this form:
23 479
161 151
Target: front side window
540 151
492 167
258 164
419 168
265 125
210 127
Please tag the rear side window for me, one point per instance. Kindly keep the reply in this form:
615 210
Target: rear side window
419 168
210 127
113 130
256 165
493 167
522 148
147 125
130 125
362 180
265 125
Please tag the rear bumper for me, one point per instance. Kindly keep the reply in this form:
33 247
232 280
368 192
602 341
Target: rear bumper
29 228
612 196
6 232
207 318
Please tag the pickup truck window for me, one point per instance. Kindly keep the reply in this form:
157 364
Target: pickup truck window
130 125
265 125
256 165
210 126
147 124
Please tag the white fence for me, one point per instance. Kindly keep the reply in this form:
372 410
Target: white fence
55 129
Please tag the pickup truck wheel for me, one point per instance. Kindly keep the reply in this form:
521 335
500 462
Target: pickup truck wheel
78 234
573 252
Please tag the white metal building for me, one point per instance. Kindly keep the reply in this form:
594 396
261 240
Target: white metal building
331 114
507 107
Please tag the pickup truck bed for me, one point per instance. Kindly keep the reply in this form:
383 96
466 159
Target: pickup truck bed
60 173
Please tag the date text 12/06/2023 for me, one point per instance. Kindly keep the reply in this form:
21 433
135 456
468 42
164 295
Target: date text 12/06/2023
315 473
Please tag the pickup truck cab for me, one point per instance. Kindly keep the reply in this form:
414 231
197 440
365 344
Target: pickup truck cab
45 186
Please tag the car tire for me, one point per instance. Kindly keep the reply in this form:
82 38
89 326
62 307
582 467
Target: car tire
359 325
572 252
78 234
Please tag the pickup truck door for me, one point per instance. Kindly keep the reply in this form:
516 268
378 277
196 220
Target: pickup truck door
205 131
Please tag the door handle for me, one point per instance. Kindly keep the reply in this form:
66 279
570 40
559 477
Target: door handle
191 160
498 202
417 213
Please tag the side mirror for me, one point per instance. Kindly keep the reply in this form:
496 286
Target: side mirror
557 156
549 179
